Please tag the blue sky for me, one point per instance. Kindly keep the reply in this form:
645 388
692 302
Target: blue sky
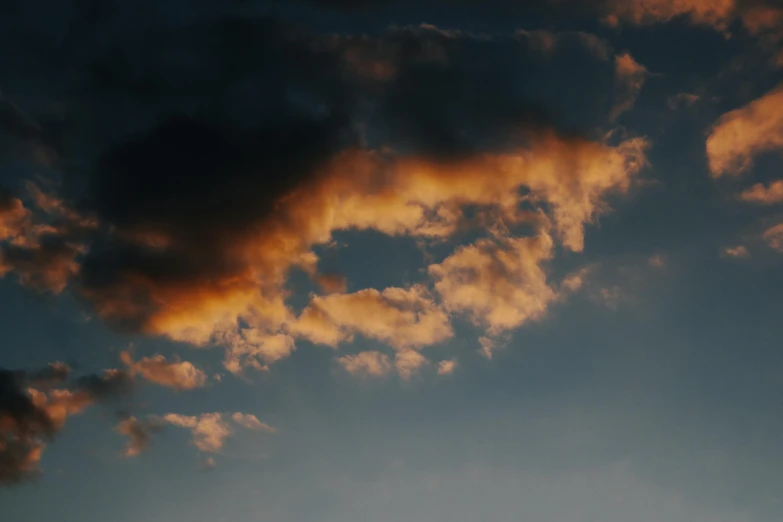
422 261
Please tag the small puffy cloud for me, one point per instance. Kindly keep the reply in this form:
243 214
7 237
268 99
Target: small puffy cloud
736 251
774 237
210 430
251 422
764 194
447 367
630 77
176 374
138 433
740 135
369 363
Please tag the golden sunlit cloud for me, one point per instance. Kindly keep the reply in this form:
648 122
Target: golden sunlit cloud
210 430
447 367
499 283
764 194
400 317
408 362
370 363
176 374
740 135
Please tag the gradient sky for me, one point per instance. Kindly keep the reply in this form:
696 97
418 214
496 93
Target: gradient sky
434 260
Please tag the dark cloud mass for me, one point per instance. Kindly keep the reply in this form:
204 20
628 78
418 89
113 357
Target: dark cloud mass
190 136
34 407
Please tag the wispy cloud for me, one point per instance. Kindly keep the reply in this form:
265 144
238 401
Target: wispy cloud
630 77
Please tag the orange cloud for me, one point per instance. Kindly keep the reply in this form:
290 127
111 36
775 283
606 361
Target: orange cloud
498 282
760 18
242 279
210 430
41 253
737 251
408 362
488 347
251 422
394 195
764 194
14 217
400 317
716 13
447 367
371 363
138 433
31 417
764 20
179 375
251 347
738 136
774 237
630 77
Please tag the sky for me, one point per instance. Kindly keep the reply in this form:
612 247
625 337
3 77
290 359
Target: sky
435 260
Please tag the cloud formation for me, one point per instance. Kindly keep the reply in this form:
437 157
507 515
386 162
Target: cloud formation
400 317
740 135
774 237
31 417
630 77
736 252
176 374
139 434
210 430
370 363
499 283
198 215
758 17
764 194
447 367
41 250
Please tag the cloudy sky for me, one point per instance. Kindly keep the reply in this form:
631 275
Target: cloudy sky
440 260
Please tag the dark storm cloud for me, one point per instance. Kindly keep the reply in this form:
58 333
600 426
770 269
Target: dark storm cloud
188 136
